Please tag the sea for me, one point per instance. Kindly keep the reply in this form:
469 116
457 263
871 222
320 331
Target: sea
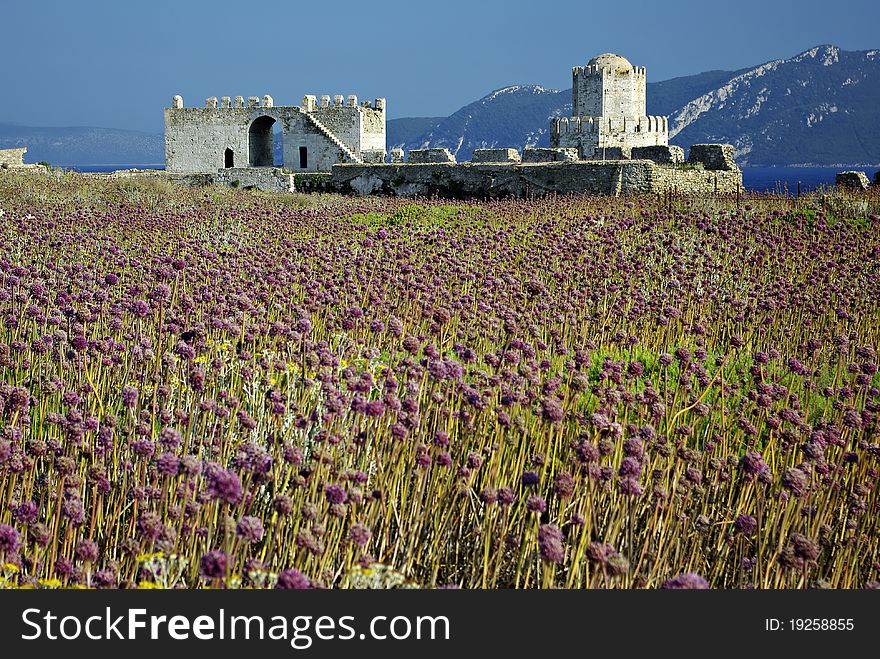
756 179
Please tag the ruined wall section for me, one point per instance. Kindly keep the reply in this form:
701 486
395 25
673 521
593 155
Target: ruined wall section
314 137
196 139
490 180
10 158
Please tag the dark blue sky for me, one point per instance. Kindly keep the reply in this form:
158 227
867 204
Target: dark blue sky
118 63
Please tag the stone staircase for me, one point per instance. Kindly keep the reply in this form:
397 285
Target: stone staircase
330 136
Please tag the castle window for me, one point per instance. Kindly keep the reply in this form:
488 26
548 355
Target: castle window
303 157
228 159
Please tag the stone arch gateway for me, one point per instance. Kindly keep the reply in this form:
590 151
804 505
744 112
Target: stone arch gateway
260 142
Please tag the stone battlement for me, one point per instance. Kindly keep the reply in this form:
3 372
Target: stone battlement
584 125
310 103
598 70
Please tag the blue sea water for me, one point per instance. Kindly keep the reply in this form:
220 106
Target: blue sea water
782 179
756 179
111 168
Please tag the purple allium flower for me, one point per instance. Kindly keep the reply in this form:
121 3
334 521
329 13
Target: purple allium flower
536 504
506 496
150 525
282 504
752 464
40 534
488 495
224 485
170 437
73 510
129 396
630 487
550 543
530 478
804 548
26 512
335 493
359 534
795 481
686 581
551 409
564 485
87 551
630 468
9 540
293 579
745 524
249 529
693 476
168 464
213 565
374 408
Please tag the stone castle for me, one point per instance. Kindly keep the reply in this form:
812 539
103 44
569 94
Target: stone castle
608 146
608 111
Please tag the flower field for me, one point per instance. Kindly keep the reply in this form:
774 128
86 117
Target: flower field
223 388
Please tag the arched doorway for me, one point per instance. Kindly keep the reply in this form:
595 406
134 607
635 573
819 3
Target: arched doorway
264 142
228 159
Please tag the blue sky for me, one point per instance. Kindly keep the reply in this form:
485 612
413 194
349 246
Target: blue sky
117 64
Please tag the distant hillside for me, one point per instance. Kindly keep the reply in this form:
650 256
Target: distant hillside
405 130
78 145
821 107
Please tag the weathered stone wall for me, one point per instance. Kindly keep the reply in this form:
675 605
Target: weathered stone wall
489 180
608 91
713 156
664 154
695 179
496 155
272 179
10 158
540 154
421 156
853 180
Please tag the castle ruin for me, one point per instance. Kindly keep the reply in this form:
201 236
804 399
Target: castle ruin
608 111
234 134
608 146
